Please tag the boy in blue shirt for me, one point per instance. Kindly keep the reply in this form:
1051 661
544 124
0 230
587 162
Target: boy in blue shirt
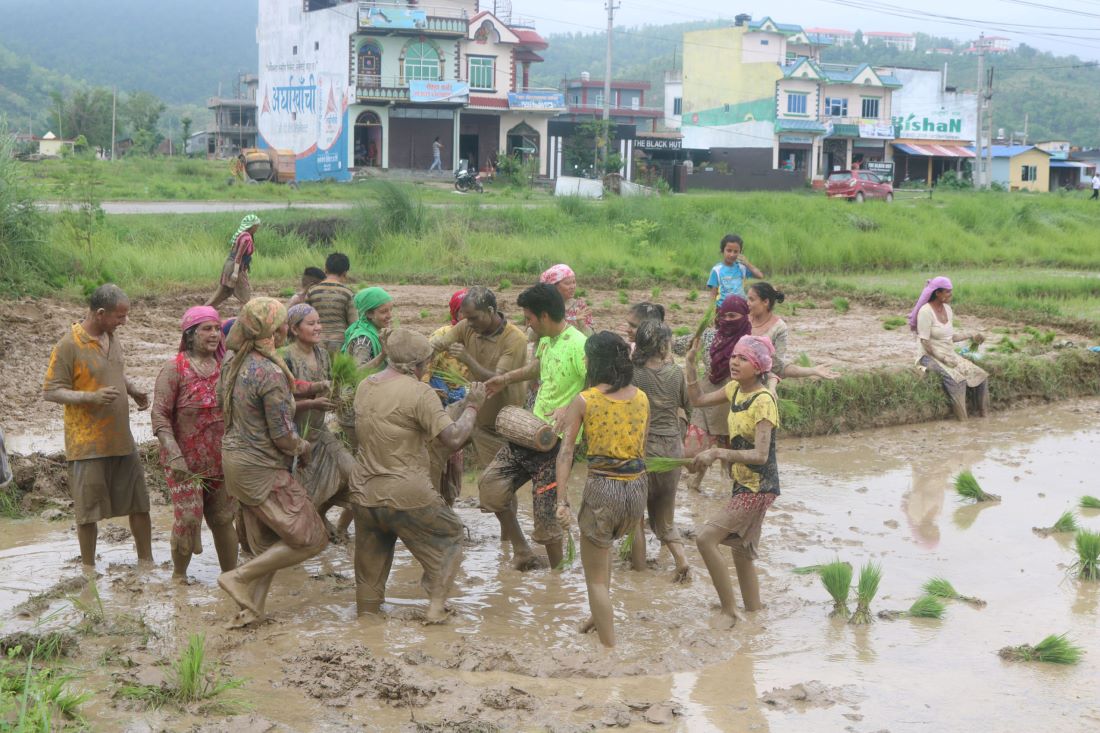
728 276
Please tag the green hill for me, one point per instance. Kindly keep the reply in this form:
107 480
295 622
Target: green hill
25 93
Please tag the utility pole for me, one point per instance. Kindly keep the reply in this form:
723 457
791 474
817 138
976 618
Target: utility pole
114 115
612 6
1025 128
989 122
979 164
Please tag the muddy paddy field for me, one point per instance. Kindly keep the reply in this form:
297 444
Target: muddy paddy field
509 658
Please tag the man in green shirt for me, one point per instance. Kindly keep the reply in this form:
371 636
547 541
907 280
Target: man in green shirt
559 365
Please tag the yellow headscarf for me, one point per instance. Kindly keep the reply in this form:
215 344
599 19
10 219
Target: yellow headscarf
254 330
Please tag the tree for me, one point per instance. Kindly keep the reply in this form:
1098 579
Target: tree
186 122
87 112
142 112
857 39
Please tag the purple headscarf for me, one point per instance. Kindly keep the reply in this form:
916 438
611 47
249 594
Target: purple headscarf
936 283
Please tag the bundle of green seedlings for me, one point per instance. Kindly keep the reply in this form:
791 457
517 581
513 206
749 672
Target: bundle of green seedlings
454 379
968 487
661 464
1087 545
346 376
626 546
1066 523
837 579
811 569
1090 502
869 576
570 556
706 320
942 588
926 606
1055 649
193 680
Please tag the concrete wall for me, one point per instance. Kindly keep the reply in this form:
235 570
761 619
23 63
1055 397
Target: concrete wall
1037 158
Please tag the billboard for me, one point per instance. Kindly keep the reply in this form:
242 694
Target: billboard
922 110
439 91
536 100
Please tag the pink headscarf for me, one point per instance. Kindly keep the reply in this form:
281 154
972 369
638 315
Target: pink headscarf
930 287
195 316
556 274
757 350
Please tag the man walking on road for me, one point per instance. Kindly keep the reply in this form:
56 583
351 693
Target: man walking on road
437 159
86 375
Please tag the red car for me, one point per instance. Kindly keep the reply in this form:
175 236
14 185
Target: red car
857 186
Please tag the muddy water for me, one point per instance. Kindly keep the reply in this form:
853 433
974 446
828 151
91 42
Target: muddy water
510 658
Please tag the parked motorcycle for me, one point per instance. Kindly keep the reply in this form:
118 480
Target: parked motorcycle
466 180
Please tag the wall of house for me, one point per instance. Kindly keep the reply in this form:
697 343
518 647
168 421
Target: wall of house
855 93
1037 158
809 87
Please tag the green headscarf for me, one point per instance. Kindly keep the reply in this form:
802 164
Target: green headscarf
249 221
366 300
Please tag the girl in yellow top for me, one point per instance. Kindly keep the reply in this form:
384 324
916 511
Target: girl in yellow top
753 418
614 414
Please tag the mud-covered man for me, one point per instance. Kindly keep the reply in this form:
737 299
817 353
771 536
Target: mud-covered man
86 375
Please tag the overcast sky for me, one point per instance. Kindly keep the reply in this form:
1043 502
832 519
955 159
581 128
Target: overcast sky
1015 19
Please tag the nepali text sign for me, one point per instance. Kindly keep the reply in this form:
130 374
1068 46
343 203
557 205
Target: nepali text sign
650 143
438 91
392 17
876 131
796 139
536 100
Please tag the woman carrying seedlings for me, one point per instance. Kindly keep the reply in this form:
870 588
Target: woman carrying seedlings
234 279
282 526
761 300
663 384
731 323
933 321
614 414
577 312
753 417
392 495
326 476
189 426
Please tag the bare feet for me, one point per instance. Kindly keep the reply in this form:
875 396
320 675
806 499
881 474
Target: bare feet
524 561
725 620
587 626
240 592
180 579
436 615
682 575
243 619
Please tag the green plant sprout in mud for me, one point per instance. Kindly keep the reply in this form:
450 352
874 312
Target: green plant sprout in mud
968 488
837 579
35 695
1089 502
192 680
1087 545
1065 524
869 577
1054 649
942 588
924 607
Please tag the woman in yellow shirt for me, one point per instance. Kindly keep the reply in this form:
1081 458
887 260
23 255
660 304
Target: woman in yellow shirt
753 419
614 414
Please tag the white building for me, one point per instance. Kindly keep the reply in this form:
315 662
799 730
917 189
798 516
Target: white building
674 100
933 125
891 39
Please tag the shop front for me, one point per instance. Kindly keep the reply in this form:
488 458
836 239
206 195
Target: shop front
926 161
796 152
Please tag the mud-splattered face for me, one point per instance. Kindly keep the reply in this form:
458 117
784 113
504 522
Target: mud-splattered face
381 316
206 338
107 321
741 369
309 330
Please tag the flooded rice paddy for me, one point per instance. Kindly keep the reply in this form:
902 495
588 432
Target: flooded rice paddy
509 658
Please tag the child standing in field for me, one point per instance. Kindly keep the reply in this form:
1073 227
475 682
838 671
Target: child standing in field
728 276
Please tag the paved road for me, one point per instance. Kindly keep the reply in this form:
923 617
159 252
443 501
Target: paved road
216 207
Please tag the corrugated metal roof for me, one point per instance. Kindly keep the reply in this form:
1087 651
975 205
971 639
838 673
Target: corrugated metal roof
799 126
1011 151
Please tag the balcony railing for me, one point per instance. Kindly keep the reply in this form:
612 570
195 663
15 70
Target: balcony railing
390 17
375 86
615 110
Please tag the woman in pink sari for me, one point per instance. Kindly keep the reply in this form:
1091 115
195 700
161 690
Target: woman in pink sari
189 426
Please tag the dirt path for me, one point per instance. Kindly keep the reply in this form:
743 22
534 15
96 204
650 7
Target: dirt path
848 341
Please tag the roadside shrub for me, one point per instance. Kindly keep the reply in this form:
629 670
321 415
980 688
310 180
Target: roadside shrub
27 262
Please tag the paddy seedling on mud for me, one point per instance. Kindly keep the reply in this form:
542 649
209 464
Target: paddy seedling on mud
837 579
624 298
424 314
193 680
869 577
626 546
661 464
693 295
655 293
1087 545
1090 502
1055 649
942 588
504 284
967 487
841 305
893 323
924 607
811 569
1066 523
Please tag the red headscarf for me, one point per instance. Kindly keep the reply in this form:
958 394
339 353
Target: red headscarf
456 303
729 333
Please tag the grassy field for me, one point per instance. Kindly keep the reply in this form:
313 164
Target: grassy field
1035 255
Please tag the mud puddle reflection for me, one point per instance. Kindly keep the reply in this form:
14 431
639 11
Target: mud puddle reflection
510 659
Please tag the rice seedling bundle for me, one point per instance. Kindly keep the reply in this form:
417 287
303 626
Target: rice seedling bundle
968 487
811 569
451 377
1087 545
1090 502
706 320
626 546
661 464
942 588
346 376
1066 523
570 553
837 579
1055 649
926 607
869 577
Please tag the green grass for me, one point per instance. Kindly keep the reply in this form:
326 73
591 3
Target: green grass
837 579
1087 545
870 575
1054 649
968 488
893 322
841 305
192 680
1090 502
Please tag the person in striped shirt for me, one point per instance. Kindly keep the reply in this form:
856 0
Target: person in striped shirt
334 301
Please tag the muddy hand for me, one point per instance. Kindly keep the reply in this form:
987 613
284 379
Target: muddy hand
564 515
703 460
324 403
141 399
476 394
104 396
323 387
495 385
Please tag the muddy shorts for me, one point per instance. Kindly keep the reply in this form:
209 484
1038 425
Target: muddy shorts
242 290
661 497
286 514
486 444
743 518
107 487
432 534
514 466
610 508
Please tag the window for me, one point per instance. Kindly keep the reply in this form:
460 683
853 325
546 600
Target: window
764 42
796 104
316 45
597 101
870 108
294 51
836 107
576 100
481 72
422 63
1029 173
678 105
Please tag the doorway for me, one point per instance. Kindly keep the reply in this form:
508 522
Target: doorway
468 150
368 140
523 142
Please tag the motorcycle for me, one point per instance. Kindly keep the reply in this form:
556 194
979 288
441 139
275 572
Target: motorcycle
465 180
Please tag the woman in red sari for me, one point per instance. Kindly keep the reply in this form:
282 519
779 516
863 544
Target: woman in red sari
189 425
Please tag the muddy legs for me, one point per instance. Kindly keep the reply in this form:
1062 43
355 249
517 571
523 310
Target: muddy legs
142 529
637 548
225 544
746 578
596 562
86 535
248 584
554 552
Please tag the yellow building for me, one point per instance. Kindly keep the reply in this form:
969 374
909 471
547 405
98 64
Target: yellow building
1021 167
52 146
